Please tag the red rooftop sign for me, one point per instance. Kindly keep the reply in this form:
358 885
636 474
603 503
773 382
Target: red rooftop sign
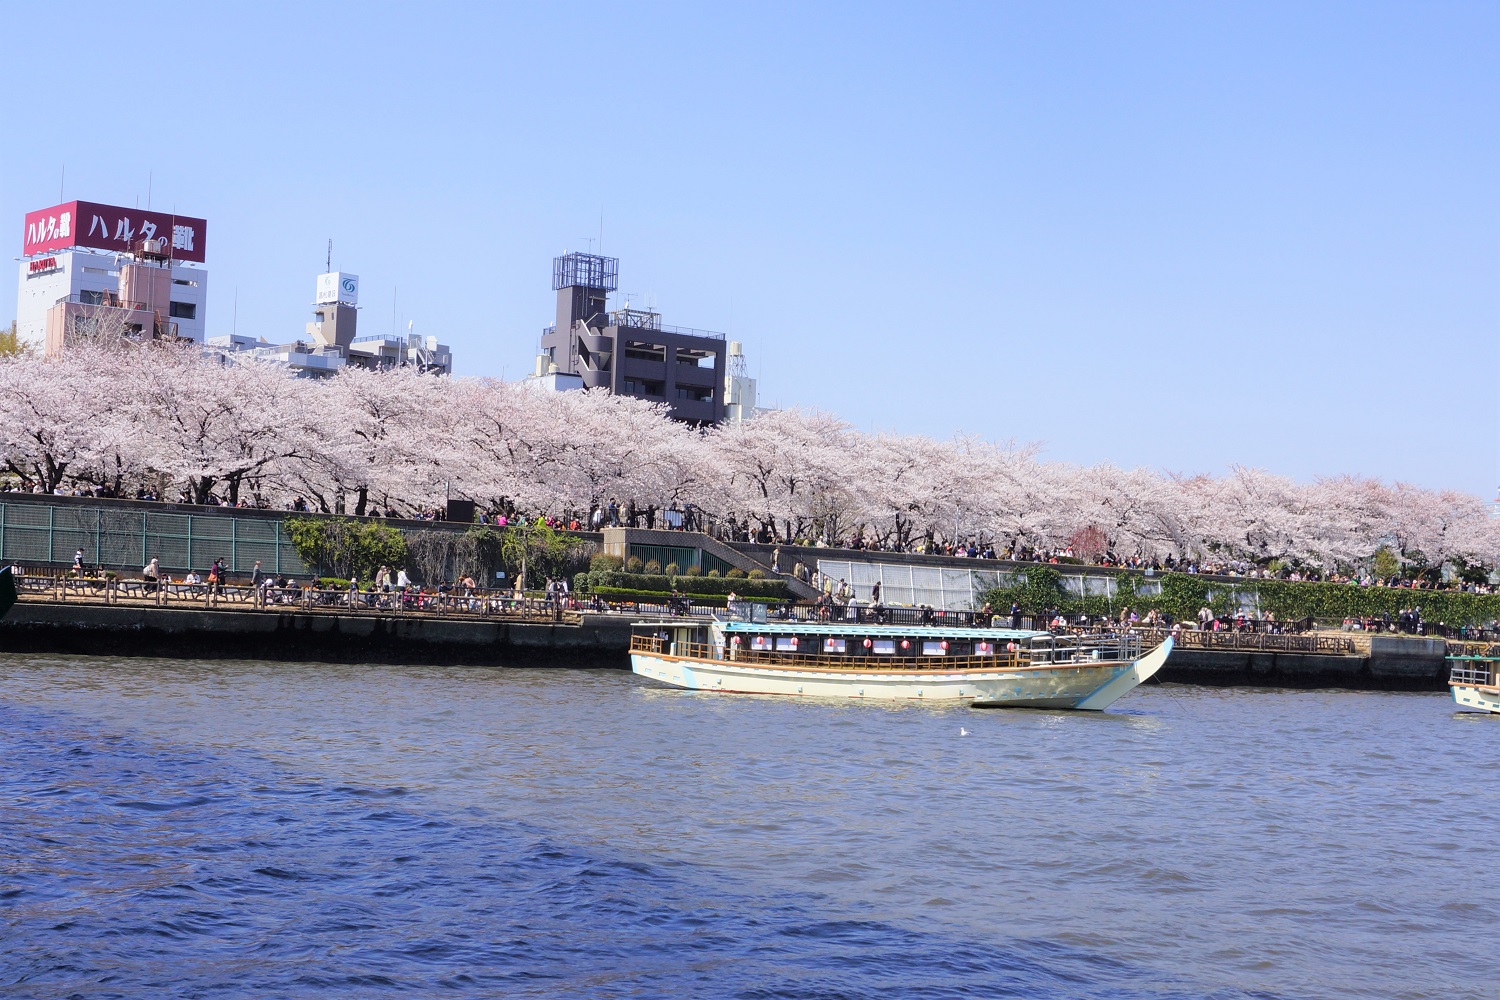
107 227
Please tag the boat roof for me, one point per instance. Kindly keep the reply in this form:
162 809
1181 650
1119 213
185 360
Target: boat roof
854 628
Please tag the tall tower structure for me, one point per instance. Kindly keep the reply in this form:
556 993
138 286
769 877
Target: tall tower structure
582 282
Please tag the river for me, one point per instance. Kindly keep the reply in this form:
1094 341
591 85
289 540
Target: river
248 829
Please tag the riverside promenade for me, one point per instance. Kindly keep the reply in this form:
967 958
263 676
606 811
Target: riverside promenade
484 631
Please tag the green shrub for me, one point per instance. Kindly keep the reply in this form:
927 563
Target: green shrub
626 594
692 571
607 564
713 573
736 574
652 567
346 546
755 574
671 569
660 585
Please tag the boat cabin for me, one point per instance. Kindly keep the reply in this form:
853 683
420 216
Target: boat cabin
831 644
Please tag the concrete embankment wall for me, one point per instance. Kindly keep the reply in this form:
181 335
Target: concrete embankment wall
96 630
1394 663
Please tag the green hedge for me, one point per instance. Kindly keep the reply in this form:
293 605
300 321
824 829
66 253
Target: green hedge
656 597
1182 595
655 583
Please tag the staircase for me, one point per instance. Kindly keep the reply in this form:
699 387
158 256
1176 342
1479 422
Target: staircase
617 542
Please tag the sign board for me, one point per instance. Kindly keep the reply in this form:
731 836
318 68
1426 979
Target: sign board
109 227
336 286
42 265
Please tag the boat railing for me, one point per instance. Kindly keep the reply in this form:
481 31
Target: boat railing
1475 673
1072 647
1000 660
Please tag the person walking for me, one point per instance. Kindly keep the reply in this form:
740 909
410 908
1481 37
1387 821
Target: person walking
78 563
150 573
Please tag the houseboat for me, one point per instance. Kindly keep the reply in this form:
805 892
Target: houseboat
983 667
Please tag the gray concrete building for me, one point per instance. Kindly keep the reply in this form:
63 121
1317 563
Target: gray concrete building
630 352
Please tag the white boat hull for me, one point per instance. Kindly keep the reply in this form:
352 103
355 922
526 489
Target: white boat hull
1477 698
1090 686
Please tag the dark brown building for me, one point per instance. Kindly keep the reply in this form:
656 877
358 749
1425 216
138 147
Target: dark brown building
629 351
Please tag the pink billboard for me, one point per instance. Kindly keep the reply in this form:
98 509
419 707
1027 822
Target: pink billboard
108 227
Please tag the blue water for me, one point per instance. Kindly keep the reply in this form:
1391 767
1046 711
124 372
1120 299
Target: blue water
253 830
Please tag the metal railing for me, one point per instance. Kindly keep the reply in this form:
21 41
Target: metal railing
1327 645
231 597
1477 673
1065 652
822 661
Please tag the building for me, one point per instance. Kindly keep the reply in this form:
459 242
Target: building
629 352
739 387
333 340
86 266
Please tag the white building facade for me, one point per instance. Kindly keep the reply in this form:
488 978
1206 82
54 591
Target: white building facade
90 277
75 255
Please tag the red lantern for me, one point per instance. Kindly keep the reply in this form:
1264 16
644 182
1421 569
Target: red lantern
943 644
794 642
736 640
906 644
984 647
868 644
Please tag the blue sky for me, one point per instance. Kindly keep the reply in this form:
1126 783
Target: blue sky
1182 235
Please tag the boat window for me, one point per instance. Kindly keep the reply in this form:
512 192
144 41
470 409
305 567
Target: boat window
834 646
984 649
786 644
885 647
937 647
761 643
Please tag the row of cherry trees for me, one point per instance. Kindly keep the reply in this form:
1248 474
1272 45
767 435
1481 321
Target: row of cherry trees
172 421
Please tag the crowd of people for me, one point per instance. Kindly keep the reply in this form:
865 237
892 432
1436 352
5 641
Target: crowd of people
689 517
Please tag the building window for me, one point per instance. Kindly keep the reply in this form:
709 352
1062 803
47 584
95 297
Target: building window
183 310
642 351
636 387
91 298
695 394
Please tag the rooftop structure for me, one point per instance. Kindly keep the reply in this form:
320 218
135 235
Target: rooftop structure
629 352
332 341
91 270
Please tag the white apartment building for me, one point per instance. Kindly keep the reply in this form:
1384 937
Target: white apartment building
85 260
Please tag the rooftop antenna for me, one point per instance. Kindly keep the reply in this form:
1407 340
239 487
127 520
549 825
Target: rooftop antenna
328 264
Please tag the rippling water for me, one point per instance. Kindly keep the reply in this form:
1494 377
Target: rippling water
255 829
